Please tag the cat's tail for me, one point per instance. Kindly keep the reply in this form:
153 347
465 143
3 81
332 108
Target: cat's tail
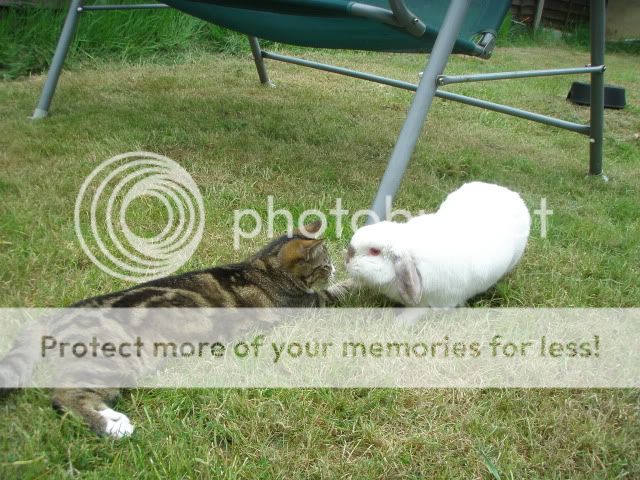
16 367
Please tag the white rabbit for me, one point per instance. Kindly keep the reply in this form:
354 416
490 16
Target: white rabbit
443 259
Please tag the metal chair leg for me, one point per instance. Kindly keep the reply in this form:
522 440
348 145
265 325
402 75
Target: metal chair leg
597 28
412 127
260 66
42 110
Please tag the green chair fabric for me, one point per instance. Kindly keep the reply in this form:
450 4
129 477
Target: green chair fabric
329 23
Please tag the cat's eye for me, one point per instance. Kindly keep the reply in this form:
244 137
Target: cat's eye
374 251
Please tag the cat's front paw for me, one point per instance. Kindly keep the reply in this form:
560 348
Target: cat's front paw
117 425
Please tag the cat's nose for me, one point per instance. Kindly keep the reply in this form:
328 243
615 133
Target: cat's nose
350 253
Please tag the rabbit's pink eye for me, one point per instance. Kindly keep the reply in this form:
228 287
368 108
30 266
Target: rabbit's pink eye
374 251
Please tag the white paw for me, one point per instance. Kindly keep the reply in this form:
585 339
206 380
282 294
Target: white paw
118 424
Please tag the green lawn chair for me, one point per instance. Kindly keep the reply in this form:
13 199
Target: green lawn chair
438 27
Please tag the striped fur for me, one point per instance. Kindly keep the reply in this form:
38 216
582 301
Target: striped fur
286 273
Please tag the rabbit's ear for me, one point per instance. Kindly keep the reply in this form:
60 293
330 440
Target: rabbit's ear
408 280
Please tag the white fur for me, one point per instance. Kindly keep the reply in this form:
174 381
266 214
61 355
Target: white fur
118 424
478 234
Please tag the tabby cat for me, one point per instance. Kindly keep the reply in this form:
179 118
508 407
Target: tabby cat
288 272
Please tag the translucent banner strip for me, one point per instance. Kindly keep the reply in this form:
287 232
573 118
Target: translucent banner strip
468 348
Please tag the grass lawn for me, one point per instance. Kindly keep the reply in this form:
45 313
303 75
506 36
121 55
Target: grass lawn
314 138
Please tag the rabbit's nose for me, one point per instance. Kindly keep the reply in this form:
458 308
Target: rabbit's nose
350 253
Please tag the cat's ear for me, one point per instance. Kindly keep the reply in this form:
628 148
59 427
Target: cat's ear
310 230
297 249
311 247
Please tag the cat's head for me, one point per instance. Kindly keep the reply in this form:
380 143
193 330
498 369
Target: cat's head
303 255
